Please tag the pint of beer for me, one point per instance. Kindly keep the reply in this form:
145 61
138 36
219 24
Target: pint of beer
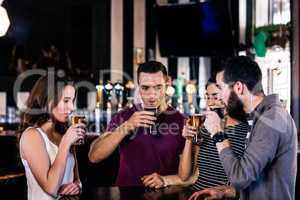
76 119
197 121
153 129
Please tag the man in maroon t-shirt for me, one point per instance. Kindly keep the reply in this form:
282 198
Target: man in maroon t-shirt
152 160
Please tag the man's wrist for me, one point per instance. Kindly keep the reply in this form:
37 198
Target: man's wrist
188 141
219 137
230 192
165 181
124 128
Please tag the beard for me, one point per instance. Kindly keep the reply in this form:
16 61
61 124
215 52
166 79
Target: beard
235 108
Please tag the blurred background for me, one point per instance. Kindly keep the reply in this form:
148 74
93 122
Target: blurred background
100 43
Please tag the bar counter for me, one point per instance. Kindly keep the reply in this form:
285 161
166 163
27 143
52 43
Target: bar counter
132 193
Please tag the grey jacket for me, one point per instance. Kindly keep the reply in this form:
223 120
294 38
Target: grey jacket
268 168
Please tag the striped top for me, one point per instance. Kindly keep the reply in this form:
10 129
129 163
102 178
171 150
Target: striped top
211 171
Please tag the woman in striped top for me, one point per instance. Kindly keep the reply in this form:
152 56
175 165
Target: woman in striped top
207 168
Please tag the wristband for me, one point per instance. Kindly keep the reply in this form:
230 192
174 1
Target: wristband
219 137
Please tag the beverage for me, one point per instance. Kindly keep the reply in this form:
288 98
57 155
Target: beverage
151 109
153 129
76 119
197 121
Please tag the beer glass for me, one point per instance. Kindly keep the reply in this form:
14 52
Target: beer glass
197 121
76 119
153 129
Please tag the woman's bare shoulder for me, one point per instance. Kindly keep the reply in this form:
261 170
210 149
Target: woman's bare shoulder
31 137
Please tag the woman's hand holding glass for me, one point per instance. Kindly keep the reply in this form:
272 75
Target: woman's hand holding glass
189 132
74 133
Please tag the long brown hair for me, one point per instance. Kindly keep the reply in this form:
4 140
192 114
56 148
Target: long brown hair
44 96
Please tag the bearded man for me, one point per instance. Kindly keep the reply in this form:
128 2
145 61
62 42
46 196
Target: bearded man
267 169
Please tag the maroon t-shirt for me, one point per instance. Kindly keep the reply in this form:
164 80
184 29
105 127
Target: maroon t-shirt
143 154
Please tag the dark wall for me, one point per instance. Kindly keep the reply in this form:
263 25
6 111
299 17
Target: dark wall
101 35
80 29
193 61
66 24
128 28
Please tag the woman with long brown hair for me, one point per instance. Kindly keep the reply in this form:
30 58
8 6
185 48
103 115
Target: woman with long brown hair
45 144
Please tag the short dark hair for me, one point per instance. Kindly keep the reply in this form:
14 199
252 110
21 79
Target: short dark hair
211 80
245 70
152 67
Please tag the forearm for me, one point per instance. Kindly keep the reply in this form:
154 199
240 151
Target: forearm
56 171
185 165
232 166
241 172
76 170
185 168
176 180
245 170
172 180
106 144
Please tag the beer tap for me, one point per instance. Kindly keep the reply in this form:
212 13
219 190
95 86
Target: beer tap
119 88
179 94
108 88
191 92
99 100
108 112
99 106
170 91
129 93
